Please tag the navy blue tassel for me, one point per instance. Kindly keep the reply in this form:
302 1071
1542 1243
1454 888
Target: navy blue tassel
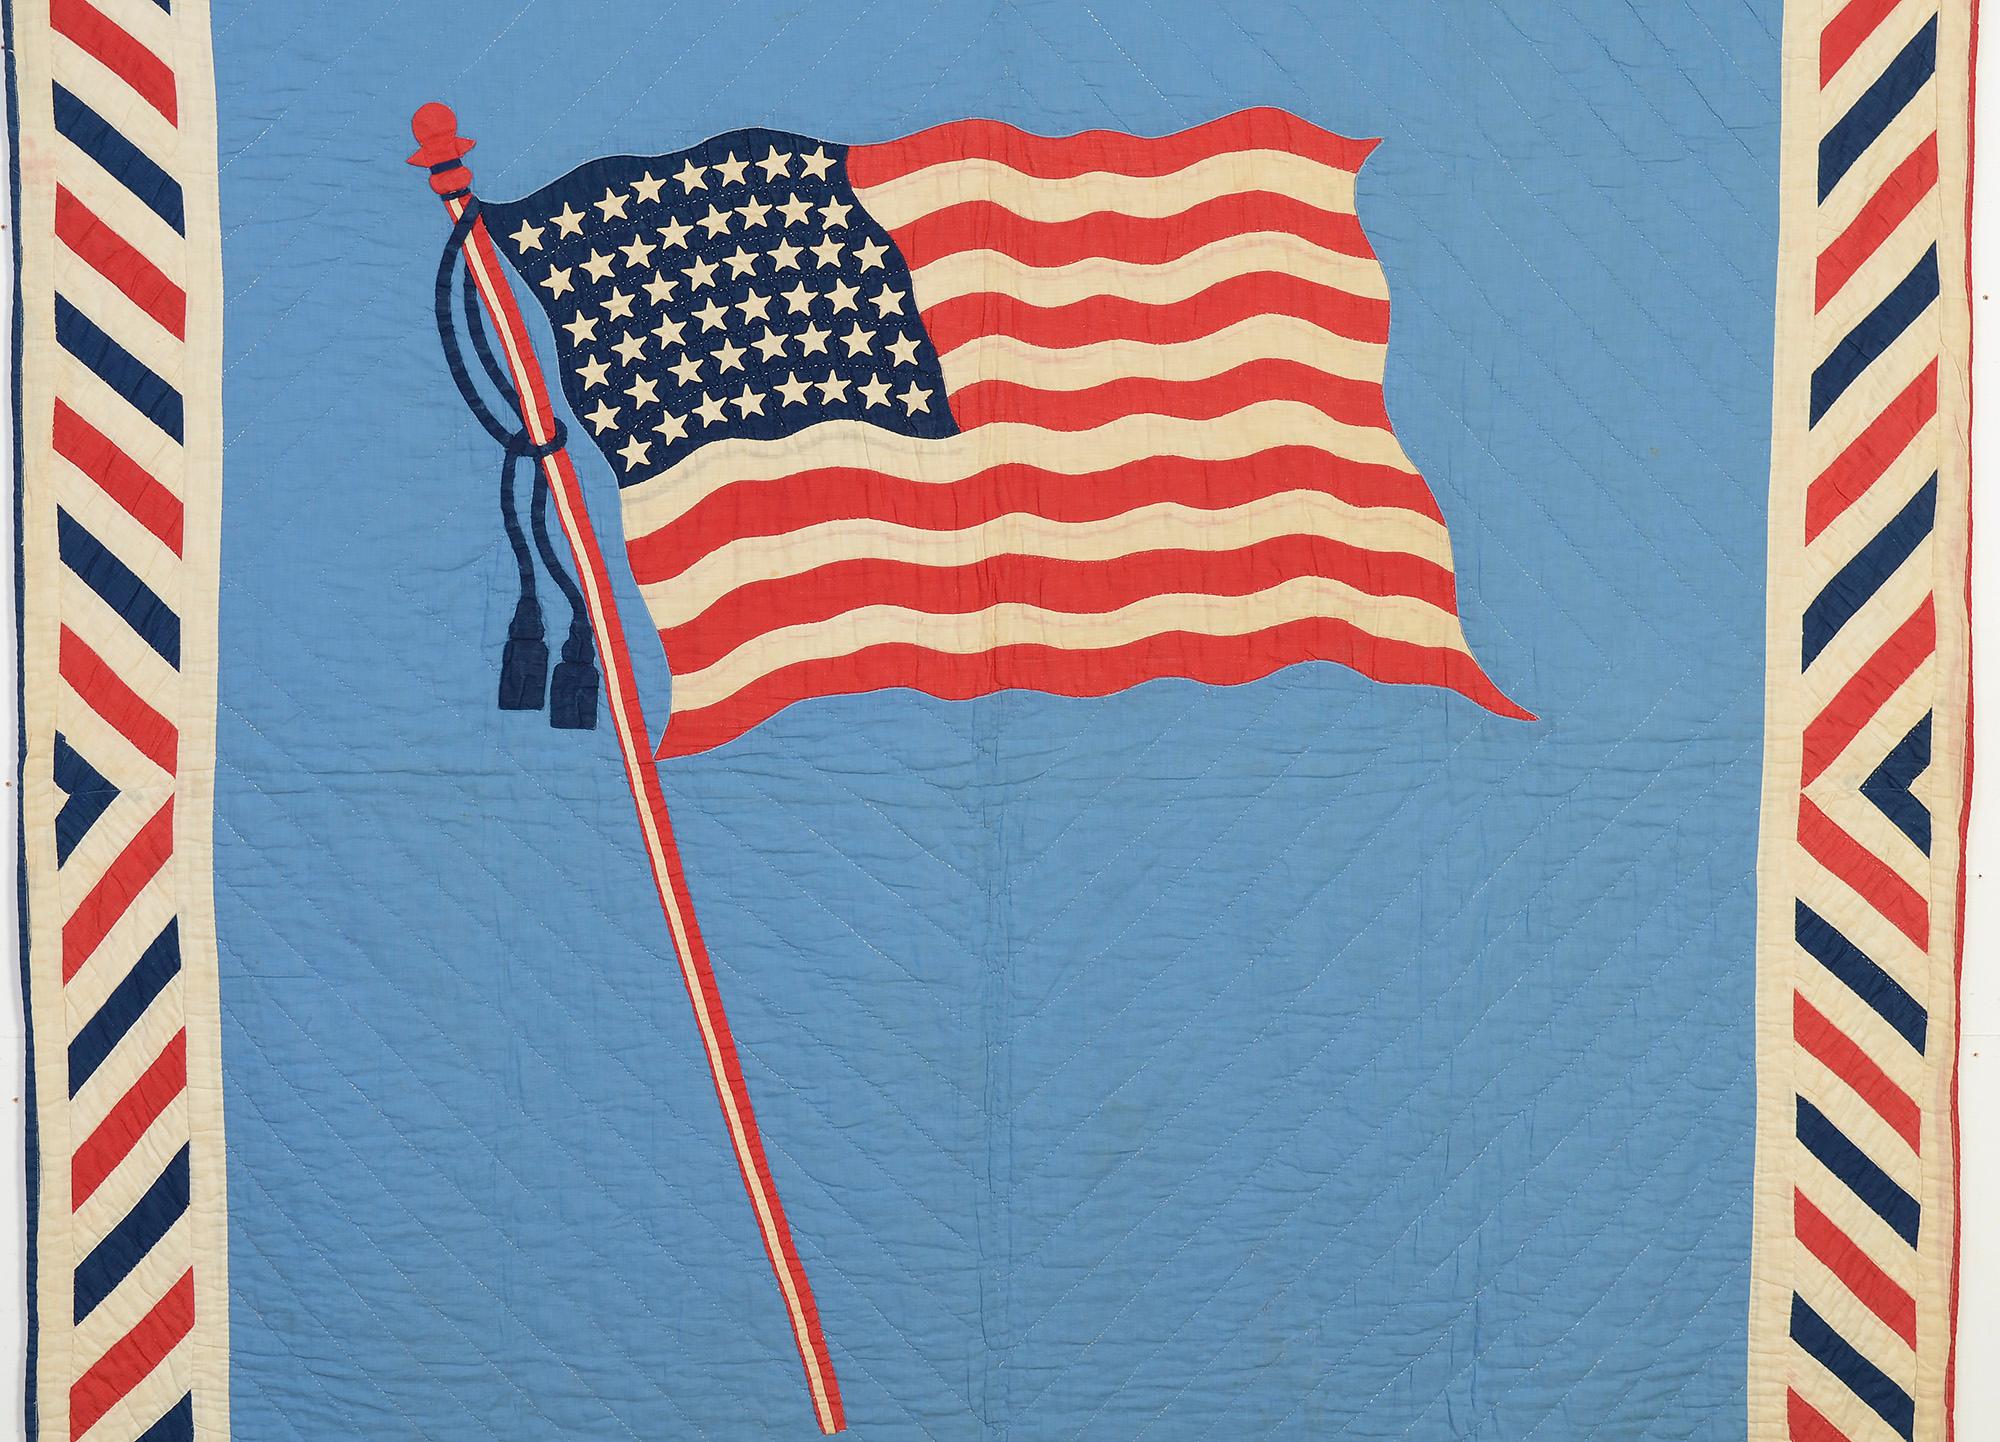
524 664
573 697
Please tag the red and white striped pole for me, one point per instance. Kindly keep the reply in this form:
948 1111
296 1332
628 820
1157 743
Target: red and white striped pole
441 150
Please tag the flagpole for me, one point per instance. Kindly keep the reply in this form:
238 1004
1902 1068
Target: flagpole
441 150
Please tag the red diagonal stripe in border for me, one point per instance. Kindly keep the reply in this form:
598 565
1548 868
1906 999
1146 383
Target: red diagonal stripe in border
108 253
129 1120
1876 1289
106 693
1868 690
1869 454
98 35
124 879
1806 1424
1843 1056
1898 901
120 477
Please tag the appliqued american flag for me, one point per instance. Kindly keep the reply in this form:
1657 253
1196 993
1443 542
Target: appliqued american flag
980 410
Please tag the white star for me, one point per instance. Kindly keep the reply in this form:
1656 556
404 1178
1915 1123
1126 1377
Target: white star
904 349
630 349
669 330
581 329
701 273
728 357
612 207
528 237
750 403
770 345
915 399
834 212
794 390
889 302
876 391
644 390
603 418
634 451
557 281
674 232
833 388
799 299
753 212
716 221
795 211
599 266
618 305
858 340
731 170
647 188
817 164
828 251
812 340
593 372
687 370
784 256
568 222
870 253
671 427
638 252
741 263
755 306
660 290
711 315
710 410
842 295
690 176
775 164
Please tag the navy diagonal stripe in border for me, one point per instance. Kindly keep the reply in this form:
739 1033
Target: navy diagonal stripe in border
1863 1378
1864 575
118 368
87 796
123 161
1855 969
159 964
1881 103
178 1423
1859 1171
1878 330
1889 785
137 1233
119 587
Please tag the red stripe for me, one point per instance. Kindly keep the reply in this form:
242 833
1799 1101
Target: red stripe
790 503
128 1121
1897 900
1856 703
1217 660
1869 454
124 879
1073 587
1847 32
111 256
1839 1053
1064 156
983 225
107 694
1105 317
1875 1288
123 479
1806 1424
132 62
1886 209
132 1358
1351 402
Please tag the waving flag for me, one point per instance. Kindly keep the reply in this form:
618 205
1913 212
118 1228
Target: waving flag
979 410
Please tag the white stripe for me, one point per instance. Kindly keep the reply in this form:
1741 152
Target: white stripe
1165 526
973 272
1263 337
1014 624
897 202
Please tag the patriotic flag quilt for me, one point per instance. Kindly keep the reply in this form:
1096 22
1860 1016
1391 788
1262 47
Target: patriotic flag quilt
1148 721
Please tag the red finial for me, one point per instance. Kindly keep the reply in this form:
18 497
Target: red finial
439 145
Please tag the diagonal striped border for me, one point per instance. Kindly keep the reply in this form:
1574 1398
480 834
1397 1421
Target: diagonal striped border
118 302
1866 742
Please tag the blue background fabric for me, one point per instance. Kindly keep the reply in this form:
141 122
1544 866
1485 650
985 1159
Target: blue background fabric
1311 1058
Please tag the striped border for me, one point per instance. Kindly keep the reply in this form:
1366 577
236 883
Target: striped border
118 300
1866 740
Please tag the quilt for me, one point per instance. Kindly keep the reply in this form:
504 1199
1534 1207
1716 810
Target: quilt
1159 719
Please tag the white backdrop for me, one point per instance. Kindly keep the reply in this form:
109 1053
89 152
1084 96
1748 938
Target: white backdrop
1978 1406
